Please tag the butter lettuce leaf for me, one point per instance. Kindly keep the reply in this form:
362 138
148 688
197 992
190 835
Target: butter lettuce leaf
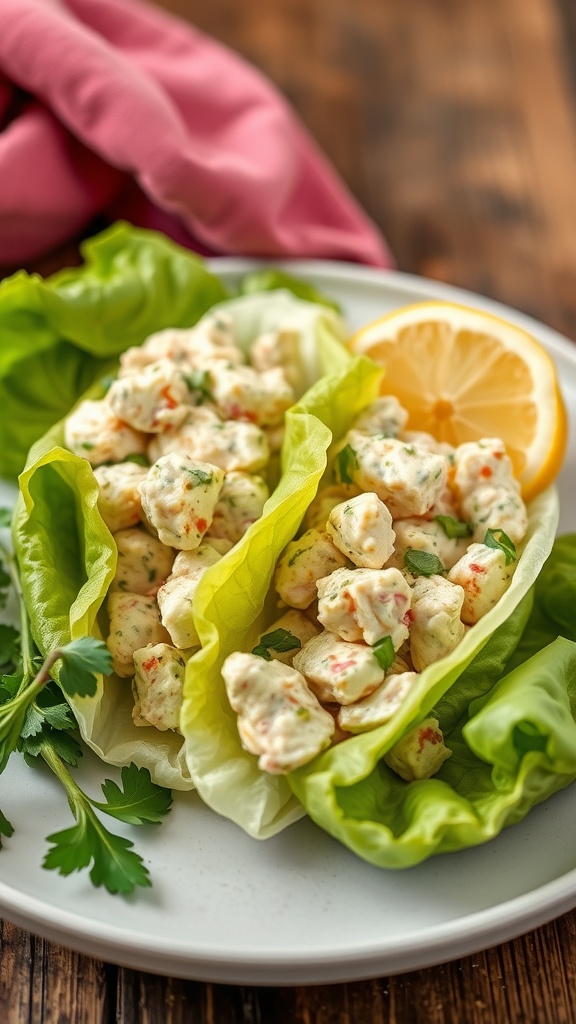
60 334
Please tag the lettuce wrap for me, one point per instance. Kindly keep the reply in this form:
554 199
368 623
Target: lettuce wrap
67 555
227 777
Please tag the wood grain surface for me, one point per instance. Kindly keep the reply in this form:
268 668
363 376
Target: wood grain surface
454 123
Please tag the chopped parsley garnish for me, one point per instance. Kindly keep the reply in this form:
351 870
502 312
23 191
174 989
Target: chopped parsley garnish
278 640
501 540
200 475
346 463
454 528
383 651
423 563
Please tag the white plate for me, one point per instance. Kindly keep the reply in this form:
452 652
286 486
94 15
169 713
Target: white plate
298 908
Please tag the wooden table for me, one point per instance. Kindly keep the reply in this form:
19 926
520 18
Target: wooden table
454 123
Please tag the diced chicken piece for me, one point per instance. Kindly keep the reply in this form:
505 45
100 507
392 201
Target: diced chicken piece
488 493
241 393
362 529
379 707
385 417
407 477
418 534
152 400
176 596
119 498
296 623
426 440
134 623
327 498
240 503
497 508
189 347
303 562
94 431
484 576
178 498
282 349
279 718
144 563
338 671
170 343
436 628
365 604
420 753
158 683
232 445
481 462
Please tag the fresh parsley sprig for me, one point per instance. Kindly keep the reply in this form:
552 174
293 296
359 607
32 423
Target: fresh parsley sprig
36 719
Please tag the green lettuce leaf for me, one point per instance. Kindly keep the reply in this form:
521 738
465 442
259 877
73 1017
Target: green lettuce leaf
59 335
67 556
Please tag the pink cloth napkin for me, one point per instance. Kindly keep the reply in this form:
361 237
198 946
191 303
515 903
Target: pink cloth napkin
114 107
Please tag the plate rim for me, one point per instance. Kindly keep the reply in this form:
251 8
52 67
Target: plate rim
434 944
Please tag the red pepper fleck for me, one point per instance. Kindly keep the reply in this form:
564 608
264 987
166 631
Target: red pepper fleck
498 455
474 567
486 472
202 525
169 399
408 618
350 602
429 735
150 663
341 666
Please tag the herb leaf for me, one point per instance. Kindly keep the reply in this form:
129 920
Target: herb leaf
140 800
454 528
278 640
501 540
114 863
82 659
383 651
423 563
346 463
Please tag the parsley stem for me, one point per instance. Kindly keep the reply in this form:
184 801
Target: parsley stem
76 798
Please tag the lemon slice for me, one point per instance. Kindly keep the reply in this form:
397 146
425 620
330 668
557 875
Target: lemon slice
463 374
